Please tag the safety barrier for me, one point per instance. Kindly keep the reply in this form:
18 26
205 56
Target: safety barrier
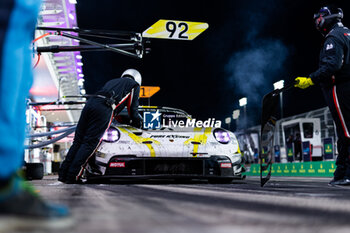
310 169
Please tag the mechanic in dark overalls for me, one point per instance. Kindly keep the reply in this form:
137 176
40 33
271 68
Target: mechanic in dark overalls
96 118
333 76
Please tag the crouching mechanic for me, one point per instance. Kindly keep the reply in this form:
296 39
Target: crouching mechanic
96 118
333 76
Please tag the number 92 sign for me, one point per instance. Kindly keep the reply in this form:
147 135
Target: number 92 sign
176 30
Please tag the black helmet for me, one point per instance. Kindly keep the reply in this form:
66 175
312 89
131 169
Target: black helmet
326 17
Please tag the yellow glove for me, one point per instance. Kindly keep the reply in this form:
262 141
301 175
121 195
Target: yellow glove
303 82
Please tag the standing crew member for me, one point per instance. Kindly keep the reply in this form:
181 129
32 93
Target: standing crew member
96 118
333 76
21 208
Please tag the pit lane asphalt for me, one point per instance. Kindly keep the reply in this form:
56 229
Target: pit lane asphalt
283 205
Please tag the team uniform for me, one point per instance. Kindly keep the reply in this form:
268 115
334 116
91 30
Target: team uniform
95 119
334 77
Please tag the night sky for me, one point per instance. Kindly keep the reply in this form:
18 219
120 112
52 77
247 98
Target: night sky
249 45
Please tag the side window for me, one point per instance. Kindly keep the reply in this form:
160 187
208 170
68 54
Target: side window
308 129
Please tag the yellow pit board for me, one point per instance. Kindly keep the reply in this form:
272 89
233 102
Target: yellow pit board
175 30
148 91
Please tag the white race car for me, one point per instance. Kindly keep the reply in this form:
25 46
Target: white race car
167 152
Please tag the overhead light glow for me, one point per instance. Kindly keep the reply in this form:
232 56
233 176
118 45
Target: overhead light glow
50 12
81 75
79 70
235 114
51 24
79 56
71 16
279 84
80 64
73 1
243 102
81 82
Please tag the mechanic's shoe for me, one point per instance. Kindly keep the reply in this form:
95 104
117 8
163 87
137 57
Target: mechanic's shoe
72 179
334 182
22 209
63 180
340 172
93 170
69 181
343 181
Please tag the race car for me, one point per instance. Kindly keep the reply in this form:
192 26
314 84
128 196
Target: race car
169 146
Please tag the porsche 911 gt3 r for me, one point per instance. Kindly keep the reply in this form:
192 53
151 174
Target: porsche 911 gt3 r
167 152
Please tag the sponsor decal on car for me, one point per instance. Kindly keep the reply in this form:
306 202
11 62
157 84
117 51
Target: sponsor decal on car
117 164
225 165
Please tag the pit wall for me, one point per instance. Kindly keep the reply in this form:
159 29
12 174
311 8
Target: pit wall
308 169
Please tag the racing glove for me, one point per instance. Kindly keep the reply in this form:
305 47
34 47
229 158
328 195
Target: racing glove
303 82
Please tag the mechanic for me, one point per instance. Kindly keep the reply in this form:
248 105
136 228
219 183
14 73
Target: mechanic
333 75
96 118
20 206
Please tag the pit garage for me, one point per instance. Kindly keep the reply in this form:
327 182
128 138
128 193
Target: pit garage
184 169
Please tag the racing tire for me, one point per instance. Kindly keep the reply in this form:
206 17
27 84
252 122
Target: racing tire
34 171
220 180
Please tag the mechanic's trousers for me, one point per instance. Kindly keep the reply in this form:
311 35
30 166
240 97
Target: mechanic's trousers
95 119
17 23
338 101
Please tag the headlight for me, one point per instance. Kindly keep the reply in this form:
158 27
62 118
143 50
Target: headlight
112 135
222 136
